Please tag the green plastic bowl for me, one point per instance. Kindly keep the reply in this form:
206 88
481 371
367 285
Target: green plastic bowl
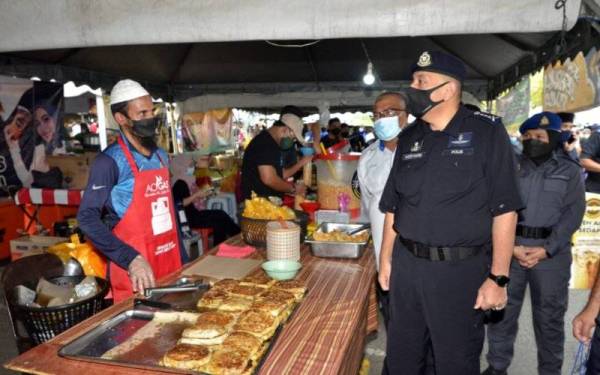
282 269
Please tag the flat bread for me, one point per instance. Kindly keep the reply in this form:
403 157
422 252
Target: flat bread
260 279
258 323
175 317
235 304
296 287
212 299
278 295
272 306
229 362
188 357
210 341
246 291
244 341
225 284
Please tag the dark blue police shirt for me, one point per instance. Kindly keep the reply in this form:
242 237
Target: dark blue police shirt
446 186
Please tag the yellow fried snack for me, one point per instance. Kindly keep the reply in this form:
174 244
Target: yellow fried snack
262 208
339 236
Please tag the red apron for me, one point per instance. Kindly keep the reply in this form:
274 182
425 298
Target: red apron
148 226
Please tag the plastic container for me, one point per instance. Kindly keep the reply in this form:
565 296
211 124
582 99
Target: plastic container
336 176
283 240
282 269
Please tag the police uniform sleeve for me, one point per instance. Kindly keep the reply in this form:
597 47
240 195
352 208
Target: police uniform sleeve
103 176
571 216
501 173
591 147
390 197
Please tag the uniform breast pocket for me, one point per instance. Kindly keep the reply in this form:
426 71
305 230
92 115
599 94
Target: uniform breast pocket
453 176
409 181
555 188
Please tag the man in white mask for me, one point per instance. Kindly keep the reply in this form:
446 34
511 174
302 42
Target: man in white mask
390 117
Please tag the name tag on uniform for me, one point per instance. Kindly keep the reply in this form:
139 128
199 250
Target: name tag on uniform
458 151
462 140
412 156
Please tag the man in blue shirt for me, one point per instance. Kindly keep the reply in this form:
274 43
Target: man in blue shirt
127 209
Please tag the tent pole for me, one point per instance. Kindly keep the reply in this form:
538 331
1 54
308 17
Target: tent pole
100 112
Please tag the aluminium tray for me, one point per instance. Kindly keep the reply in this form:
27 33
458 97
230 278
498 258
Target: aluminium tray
333 249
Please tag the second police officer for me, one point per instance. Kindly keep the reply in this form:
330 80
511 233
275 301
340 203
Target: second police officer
553 191
451 196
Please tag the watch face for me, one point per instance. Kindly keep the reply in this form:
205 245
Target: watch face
502 280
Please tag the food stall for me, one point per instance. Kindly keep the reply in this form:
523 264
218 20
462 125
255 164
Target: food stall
325 334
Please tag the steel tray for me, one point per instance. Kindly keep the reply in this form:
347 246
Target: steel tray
331 249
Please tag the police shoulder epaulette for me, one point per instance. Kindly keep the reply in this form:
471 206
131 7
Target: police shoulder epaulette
565 156
488 117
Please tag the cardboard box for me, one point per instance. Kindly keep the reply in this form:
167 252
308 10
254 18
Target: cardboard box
32 245
75 168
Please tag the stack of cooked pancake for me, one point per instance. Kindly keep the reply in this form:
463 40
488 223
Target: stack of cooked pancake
237 320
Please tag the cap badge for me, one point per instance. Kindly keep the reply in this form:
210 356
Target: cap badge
424 59
544 121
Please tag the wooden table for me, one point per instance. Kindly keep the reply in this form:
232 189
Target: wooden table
326 335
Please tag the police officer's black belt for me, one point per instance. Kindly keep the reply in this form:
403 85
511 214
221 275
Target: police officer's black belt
533 232
440 253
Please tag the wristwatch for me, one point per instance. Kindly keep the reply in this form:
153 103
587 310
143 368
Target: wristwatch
501 280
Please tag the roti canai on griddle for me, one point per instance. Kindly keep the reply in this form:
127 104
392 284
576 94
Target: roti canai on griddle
258 323
184 356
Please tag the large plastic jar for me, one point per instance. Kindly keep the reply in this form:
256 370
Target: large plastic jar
336 176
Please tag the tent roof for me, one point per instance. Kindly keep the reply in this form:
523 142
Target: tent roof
496 57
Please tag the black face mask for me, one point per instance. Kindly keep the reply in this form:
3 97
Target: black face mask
419 101
336 132
145 131
537 150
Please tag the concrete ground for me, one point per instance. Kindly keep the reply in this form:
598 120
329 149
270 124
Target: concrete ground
524 362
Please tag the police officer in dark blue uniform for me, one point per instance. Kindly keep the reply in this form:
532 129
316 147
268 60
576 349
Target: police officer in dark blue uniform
590 160
552 189
452 194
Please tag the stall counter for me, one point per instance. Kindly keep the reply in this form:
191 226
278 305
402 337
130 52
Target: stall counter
326 334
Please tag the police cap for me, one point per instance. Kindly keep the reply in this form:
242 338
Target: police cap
440 62
543 120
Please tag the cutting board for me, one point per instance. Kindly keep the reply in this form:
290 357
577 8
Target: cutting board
222 268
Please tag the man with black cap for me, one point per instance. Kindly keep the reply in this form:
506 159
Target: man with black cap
127 209
552 189
262 168
451 195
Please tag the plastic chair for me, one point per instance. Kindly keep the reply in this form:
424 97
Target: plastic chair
225 202
204 234
27 271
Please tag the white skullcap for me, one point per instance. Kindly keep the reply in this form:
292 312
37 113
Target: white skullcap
126 90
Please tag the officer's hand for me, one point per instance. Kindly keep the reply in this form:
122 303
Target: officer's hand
140 274
491 296
584 324
385 270
520 253
534 256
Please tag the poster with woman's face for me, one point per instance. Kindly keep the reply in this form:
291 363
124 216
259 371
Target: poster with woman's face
30 129
207 131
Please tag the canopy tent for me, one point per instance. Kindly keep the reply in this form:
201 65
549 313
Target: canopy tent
181 49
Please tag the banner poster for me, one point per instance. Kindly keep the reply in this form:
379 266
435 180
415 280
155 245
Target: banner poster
31 122
568 86
514 106
207 132
593 64
586 246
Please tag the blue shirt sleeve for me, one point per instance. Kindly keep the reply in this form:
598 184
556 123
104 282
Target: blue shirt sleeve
104 174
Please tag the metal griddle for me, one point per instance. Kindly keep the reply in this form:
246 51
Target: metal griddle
92 345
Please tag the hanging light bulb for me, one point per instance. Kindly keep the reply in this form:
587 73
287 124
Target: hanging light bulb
369 78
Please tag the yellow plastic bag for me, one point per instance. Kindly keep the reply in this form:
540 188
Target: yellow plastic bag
92 262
